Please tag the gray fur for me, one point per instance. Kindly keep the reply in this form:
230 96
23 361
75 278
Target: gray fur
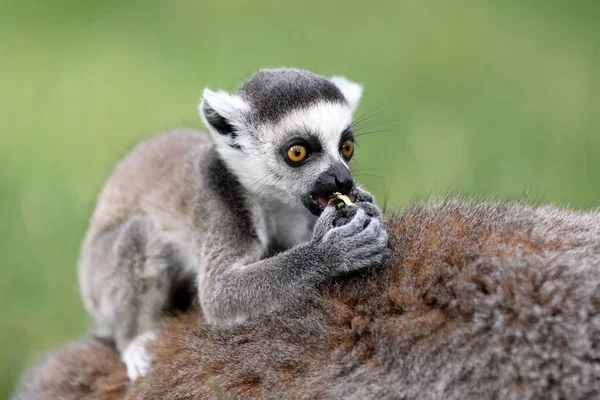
273 93
229 218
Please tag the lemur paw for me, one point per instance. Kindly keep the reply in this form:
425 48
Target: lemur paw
365 200
359 243
345 215
361 196
136 358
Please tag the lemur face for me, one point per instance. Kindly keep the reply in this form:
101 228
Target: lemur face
287 134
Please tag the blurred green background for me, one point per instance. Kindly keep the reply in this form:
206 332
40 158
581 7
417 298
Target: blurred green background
490 97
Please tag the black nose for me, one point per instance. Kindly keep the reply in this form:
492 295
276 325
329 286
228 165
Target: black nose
336 179
344 183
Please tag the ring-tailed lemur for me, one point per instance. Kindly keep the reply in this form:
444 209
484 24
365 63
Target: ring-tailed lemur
238 214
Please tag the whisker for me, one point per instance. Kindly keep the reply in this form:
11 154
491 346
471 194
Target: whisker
362 121
371 111
268 182
370 175
366 115
357 135
377 118
261 183
372 128
365 169
375 122
371 121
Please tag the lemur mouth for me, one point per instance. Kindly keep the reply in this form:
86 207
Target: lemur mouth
316 203
320 199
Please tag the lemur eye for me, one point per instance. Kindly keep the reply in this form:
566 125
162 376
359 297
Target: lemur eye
297 153
347 149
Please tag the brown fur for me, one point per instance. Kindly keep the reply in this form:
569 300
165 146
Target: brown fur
477 301
86 369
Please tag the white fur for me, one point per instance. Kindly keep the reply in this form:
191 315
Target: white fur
254 176
231 107
136 358
325 119
351 91
234 108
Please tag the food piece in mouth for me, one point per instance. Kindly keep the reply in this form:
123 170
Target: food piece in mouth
336 199
339 200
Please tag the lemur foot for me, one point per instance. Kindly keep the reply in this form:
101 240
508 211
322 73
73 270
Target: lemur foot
136 358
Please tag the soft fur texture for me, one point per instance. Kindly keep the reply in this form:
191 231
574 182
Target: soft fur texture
85 369
276 92
232 217
477 301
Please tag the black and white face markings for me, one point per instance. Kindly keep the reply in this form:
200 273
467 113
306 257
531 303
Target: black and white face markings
286 133
297 151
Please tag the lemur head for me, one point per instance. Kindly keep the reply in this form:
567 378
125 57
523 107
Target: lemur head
286 133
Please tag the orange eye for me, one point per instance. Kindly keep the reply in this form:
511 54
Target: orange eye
347 149
297 153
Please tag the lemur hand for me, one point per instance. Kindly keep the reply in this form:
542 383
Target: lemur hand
365 201
358 243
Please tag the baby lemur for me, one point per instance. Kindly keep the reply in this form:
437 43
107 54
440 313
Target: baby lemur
244 215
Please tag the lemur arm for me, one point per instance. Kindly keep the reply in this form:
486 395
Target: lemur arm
234 287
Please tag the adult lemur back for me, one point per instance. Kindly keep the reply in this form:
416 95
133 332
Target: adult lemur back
245 214
477 301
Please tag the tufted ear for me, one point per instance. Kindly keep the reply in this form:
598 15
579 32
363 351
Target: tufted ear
223 113
351 91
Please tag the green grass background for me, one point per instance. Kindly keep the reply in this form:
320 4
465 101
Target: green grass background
483 97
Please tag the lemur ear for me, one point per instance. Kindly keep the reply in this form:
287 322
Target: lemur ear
351 91
221 112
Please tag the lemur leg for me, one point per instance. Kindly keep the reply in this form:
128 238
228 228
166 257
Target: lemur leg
136 357
131 273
